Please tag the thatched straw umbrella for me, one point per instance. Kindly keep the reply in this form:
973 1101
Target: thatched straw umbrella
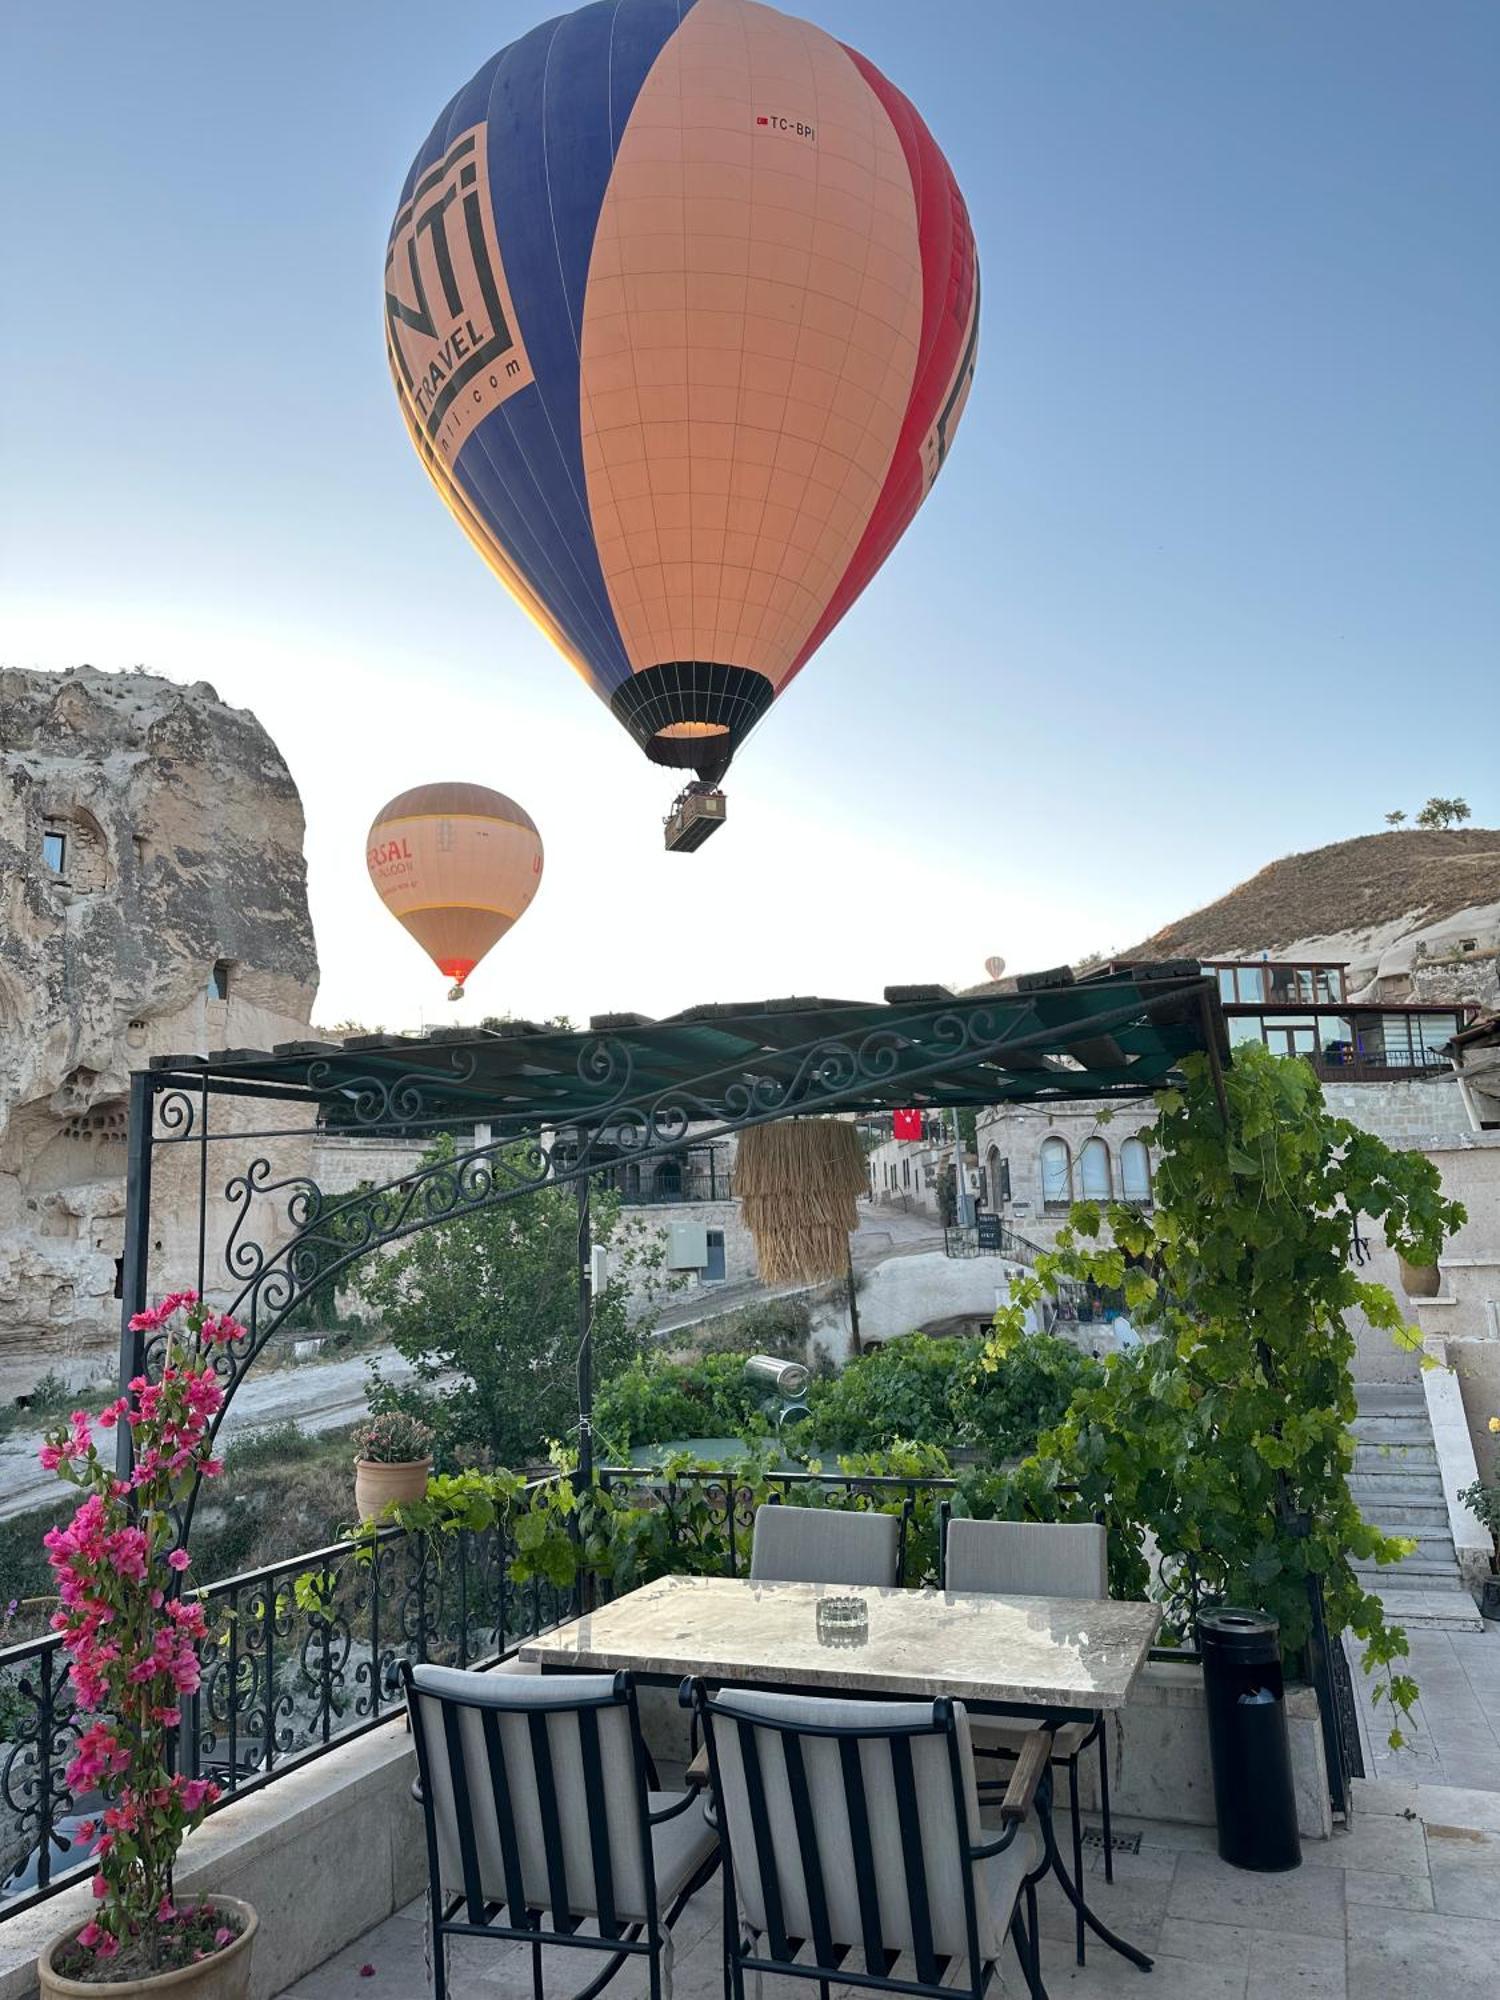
798 1181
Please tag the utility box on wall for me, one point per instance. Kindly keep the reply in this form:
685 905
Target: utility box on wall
687 1246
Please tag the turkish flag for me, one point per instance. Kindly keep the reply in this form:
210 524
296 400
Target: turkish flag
906 1125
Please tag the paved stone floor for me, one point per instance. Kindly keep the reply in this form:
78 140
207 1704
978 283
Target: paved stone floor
1401 1907
1454 1731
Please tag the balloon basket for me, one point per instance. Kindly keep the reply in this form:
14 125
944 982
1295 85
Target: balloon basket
695 814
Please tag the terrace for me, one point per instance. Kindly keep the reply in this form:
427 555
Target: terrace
299 1713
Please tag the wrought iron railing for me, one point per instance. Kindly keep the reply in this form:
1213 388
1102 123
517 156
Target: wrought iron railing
990 1238
305 1654
642 1192
297 1656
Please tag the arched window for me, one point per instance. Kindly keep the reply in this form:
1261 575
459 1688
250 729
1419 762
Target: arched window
1135 1170
1093 1170
1057 1175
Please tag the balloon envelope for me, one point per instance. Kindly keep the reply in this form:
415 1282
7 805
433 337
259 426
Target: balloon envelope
994 967
457 865
682 311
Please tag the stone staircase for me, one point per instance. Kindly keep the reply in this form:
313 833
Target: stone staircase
1397 1487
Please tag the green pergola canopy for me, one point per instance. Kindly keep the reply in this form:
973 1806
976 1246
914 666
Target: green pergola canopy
1118 1035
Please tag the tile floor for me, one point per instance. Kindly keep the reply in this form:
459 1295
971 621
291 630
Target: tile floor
1454 1731
1401 1907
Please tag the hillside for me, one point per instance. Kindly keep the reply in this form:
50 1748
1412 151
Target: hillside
1370 902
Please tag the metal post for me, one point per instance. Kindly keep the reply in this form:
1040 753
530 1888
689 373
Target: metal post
856 1346
585 1335
135 1260
961 1214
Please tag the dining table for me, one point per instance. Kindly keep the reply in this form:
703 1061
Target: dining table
1051 1660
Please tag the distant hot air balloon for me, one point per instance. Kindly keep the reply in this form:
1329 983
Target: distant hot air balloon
682 308
994 967
457 864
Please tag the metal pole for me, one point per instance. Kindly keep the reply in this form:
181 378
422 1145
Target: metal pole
960 1188
135 1259
585 1335
857 1348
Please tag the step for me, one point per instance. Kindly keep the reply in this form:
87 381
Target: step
1429 1610
1390 1399
1392 1430
1427 1568
1371 1491
1408 1517
1431 1541
1375 1459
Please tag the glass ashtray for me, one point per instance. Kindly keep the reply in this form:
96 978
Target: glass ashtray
843 1621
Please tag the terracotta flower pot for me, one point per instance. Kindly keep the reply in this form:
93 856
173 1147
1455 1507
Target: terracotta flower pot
376 1485
1419 1281
224 1976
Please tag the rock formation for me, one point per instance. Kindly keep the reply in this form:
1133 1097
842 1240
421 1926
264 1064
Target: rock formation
152 899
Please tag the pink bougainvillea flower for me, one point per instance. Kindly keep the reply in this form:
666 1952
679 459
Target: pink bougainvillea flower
178 1559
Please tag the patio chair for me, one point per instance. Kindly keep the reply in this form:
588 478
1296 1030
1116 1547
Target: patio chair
817 1545
827 1545
851 1836
536 1803
1037 1559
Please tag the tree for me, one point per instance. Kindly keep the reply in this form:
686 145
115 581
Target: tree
486 1311
1395 819
1225 1436
1443 812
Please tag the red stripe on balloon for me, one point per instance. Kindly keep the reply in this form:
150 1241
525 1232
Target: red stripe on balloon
948 269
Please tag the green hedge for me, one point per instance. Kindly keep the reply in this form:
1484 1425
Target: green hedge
930 1392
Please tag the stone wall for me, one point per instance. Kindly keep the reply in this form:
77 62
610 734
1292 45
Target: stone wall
1017 1133
655 1223
150 837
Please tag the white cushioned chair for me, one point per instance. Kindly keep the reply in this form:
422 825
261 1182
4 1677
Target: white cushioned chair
537 1805
825 1545
1037 1559
852 1838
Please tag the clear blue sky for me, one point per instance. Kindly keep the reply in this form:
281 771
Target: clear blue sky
1210 576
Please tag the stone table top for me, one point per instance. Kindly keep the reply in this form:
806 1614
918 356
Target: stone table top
1045 1652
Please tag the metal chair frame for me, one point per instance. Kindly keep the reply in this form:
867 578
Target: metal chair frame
621 1940
830 1960
1096 1734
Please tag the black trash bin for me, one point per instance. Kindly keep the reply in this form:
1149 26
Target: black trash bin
1253 1797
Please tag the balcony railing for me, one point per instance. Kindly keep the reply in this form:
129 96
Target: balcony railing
298 1656
305 1654
716 1186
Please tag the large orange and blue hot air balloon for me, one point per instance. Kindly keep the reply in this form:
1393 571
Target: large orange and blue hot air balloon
682 309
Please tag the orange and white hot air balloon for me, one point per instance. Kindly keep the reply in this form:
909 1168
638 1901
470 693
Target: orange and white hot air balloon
456 865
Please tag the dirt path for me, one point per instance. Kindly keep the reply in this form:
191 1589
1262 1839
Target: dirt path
316 1396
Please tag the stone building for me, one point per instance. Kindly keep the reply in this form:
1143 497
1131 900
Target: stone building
152 899
686 1201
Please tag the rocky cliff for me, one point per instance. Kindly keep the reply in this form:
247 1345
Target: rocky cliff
152 898
1415 915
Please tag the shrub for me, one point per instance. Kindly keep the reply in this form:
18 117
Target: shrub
772 1326
658 1402
1002 1412
910 1388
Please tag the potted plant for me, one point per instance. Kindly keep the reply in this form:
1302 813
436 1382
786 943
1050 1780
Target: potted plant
1485 1502
392 1459
132 1640
1420 1281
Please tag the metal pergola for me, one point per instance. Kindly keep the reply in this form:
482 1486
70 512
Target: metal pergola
538 1106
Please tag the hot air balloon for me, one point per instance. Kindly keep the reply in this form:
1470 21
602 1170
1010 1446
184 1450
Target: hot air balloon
682 308
994 967
457 865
